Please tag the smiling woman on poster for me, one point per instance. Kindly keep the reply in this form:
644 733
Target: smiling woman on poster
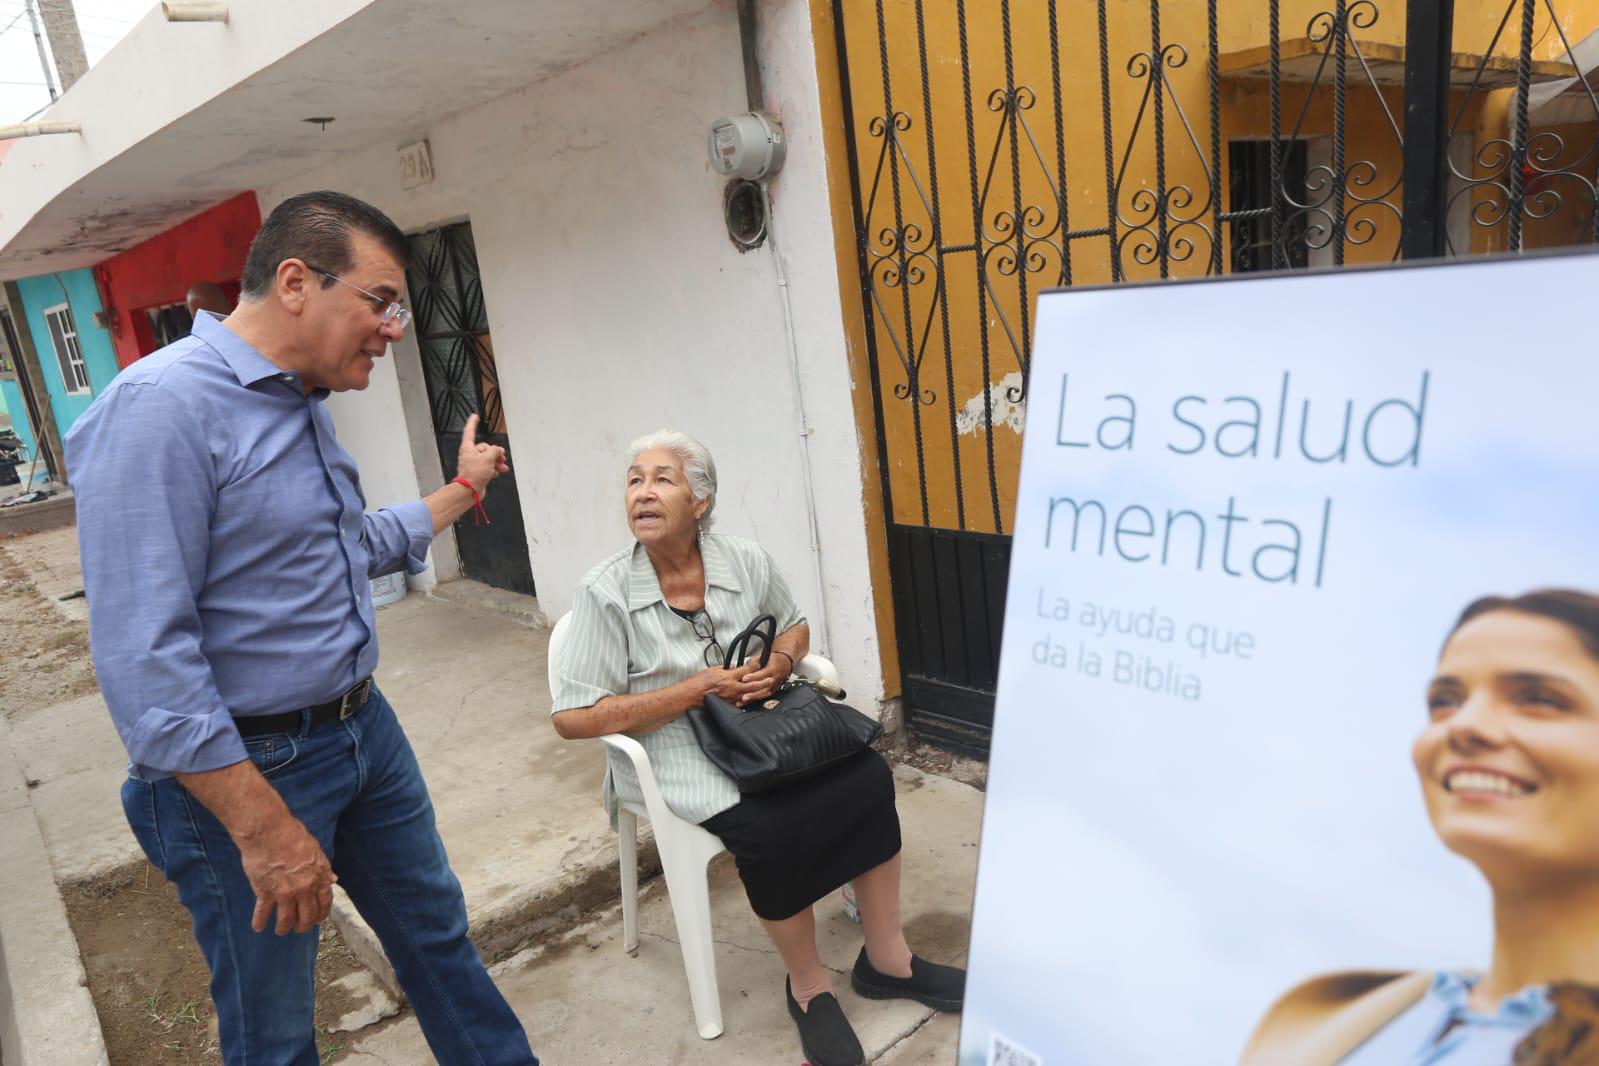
1509 769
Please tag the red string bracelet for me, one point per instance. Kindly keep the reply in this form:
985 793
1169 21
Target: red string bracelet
479 515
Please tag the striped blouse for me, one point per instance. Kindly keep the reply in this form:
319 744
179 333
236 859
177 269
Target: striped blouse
623 638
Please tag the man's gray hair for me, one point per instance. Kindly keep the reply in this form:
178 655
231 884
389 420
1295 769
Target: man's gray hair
698 466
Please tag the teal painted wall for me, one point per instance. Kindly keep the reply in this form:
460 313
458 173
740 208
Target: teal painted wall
75 288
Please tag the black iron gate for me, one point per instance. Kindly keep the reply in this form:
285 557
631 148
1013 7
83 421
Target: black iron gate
452 330
999 147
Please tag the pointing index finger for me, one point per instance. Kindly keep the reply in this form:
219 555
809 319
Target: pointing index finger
469 433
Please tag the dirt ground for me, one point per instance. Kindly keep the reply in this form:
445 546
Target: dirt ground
150 983
907 748
44 651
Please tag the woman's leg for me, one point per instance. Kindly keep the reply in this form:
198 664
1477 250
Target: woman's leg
877 896
795 940
885 968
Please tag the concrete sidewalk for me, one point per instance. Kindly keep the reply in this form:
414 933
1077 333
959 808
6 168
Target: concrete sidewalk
519 811
584 1000
517 806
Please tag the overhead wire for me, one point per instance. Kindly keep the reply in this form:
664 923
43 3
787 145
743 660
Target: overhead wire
104 33
82 14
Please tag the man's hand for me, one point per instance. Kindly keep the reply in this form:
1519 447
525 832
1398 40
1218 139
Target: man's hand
479 463
290 874
285 865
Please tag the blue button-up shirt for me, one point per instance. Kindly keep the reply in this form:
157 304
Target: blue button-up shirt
1443 1029
226 552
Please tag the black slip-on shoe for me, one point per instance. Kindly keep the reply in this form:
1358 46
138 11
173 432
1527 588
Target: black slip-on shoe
930 984
824 1032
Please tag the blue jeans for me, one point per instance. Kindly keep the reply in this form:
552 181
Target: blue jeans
357 787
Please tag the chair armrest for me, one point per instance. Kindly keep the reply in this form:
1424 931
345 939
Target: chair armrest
654 802
815 668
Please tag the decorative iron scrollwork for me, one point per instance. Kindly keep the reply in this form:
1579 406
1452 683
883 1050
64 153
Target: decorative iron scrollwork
1527 176
1162 225
901 257
1343 199
1162 202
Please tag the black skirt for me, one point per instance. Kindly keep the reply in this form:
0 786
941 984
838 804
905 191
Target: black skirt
795 845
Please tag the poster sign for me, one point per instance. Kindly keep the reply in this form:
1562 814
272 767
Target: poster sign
1249 515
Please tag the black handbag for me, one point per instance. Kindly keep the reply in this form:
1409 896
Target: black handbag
791 736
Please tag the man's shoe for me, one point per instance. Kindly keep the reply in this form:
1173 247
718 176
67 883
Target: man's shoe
825 1033
930 984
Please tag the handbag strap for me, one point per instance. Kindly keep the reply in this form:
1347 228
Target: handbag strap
765 627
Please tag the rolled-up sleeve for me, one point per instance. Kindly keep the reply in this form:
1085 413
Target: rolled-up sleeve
778 601
397 537
592 664
145 484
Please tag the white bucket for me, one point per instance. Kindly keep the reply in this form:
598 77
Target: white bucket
390 588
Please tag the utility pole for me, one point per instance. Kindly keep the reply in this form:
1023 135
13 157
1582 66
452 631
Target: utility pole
44 58
66 42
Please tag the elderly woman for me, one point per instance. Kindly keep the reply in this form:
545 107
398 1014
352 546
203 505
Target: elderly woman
648 629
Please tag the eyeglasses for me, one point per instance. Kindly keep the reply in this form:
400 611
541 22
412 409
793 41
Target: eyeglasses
706 631
390 310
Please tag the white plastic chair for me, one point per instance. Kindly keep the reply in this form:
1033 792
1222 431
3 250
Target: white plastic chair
686 850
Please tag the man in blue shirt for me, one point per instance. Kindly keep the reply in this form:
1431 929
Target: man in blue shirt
226 556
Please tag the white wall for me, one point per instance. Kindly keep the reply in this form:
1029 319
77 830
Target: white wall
388 430
618 306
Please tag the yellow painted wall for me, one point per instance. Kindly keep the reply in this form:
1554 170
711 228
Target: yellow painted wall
841 193
1477 21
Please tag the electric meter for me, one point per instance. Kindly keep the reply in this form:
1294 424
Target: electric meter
748 146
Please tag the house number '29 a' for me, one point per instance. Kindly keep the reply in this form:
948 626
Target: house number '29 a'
416 165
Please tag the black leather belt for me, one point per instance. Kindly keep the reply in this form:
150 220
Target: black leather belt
338 710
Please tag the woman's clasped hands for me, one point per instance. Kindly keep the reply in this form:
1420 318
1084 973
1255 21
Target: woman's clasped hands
742 685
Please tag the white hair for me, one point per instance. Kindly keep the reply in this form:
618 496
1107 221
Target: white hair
698 466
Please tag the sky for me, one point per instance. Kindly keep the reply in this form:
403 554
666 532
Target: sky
22 88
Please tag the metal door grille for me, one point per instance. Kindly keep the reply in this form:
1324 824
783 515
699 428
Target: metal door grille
1006 146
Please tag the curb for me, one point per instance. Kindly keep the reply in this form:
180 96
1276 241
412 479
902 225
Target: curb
46 1013
54 513
550 907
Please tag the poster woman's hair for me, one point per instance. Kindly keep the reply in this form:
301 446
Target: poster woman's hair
1577 611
